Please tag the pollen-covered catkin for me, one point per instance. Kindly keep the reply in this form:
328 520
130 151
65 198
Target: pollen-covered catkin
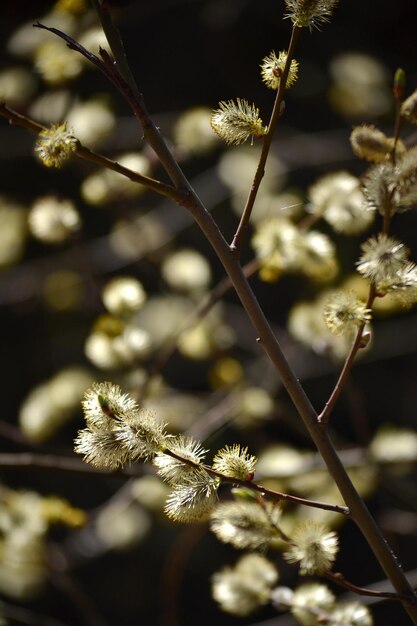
235 122
310 13
313 546
55 145
235 462
272 69
344 313
117 430
372 144
193 499
242 589
246 524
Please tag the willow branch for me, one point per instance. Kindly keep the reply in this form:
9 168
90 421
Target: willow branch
17 119
249 484
129 89
29 460
357 344
340 580
236 244
324 416
86 154
398 93
278 495
286 620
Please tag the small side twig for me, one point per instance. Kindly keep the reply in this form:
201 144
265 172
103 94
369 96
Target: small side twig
324 416
267 512
271 493
236 244
18 119
398 95
29 460
129 90
339 579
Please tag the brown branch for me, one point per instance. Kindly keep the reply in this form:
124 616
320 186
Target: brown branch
128 88
273 523
286 620
271 493
74 45
29 460
339 579
324 416
236 244
86 154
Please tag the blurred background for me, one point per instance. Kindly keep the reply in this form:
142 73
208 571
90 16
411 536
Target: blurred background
129 565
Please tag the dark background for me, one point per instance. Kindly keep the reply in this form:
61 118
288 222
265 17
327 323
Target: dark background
187 53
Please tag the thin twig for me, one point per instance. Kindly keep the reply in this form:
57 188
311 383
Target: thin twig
130 91
282 534
94 157
398 92
324 416
29 460
339 579
393 156
388 213
237 241
286 620
271 493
